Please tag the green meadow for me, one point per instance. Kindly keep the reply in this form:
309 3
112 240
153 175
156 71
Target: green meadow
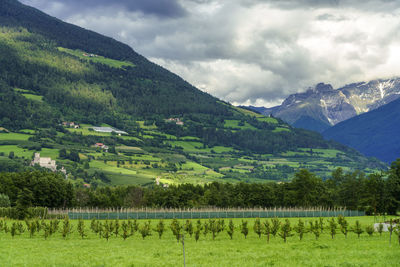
97 59
251 251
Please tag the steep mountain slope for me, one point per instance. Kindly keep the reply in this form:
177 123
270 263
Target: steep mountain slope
53 73
322 107
375 133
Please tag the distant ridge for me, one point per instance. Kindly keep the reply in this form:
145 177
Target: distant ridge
375 133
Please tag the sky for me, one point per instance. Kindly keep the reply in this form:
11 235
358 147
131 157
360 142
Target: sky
251 52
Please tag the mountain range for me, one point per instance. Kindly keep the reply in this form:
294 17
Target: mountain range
322 106
107 115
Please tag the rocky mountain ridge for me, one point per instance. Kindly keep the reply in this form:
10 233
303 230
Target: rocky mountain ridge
323 106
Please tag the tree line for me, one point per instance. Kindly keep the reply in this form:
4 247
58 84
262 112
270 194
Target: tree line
375 193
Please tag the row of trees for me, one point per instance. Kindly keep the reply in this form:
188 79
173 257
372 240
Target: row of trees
125 229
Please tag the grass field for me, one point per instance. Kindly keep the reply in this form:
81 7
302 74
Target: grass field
252 251
38 98
98 59
19 152
14 137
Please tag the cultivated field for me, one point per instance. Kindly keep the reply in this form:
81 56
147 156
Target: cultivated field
252 251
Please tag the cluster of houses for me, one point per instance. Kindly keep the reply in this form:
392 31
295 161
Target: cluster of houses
47 163
178 121
71 124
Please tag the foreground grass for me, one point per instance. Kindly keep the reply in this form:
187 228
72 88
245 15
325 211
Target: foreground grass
93 251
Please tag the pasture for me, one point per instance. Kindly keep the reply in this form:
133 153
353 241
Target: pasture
251 251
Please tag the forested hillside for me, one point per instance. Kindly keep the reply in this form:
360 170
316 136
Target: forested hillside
55 75
375 133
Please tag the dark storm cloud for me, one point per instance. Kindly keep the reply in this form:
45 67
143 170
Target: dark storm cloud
160 8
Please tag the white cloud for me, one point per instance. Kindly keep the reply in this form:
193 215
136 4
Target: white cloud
254 51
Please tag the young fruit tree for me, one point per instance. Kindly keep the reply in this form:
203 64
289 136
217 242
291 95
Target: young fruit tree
116 227
276 224
231 229
344 226
286 230
244 229
13 229
160 228
321 224
46 230
267 230
106 230
221 225
214 228
380 228
300 228
134 226
315 229
357 229
369 229
176 229
205 229
145 230
67 228
54 226
197 231
189 227
332 227
81 228
257 227
125 227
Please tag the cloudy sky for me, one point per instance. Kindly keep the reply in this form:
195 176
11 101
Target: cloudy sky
250 51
